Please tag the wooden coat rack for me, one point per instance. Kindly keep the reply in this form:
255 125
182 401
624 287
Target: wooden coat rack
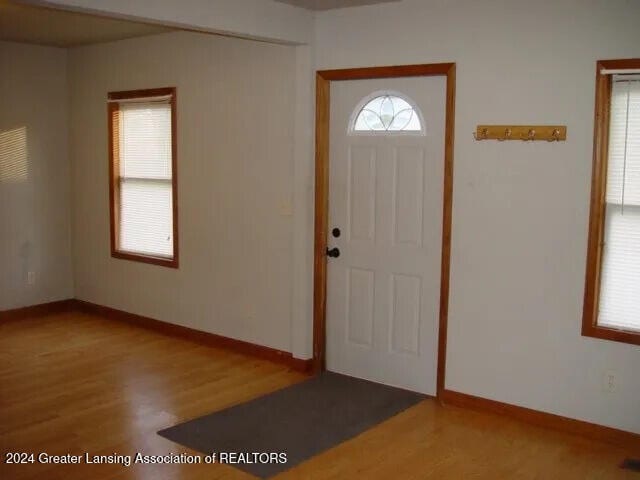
550 133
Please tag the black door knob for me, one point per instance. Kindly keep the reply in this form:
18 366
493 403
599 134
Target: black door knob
333 252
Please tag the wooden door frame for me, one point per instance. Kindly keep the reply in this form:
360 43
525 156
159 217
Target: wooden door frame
323 103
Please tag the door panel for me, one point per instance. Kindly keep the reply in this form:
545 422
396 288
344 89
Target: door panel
404 318
361 192
408 196
359 314
385 195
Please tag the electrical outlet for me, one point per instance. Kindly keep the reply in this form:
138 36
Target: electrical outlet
610 382
31 278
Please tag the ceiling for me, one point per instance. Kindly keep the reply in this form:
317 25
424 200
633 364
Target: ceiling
44 26
331 4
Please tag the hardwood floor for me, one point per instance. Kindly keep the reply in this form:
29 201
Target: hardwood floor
72 383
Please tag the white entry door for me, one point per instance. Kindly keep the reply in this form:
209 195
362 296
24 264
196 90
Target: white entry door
385 198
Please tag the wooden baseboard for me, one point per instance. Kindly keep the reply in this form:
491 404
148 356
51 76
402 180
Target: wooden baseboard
542 419
199 336
38 310
449 397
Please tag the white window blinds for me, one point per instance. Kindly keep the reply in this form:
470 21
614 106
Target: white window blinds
619 305
145 179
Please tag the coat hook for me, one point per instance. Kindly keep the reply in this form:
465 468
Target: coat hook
531 135
555 135
507 135
483 134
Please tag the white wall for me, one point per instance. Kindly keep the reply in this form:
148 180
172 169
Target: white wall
260 19
34 176
235 182
303 207
519 210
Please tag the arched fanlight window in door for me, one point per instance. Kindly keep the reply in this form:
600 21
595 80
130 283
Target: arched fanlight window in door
386 112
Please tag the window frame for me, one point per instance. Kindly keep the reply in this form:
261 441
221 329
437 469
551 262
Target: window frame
590 327
114 175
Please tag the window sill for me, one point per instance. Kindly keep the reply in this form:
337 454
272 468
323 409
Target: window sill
135 257
623 336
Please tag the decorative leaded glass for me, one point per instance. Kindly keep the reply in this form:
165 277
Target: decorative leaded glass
387 113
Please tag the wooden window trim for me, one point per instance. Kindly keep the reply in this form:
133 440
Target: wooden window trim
590 327
114 174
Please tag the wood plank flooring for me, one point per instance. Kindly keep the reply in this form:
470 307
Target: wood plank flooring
72 383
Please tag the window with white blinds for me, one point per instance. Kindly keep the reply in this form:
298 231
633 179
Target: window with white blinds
143 182
619 304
